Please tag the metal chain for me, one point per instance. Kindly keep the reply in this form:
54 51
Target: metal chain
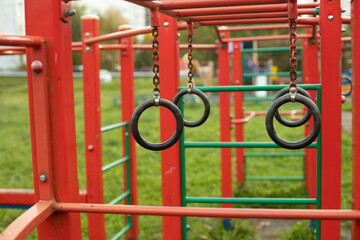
293 61
293 51
155 57
190 84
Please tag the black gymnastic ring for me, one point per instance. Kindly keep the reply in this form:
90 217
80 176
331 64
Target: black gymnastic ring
156 146
311 108
346 79
287 123
205 100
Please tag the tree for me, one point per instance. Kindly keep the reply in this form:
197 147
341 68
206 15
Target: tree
110 20
76 32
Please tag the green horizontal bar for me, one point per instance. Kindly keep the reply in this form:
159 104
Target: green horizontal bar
284 154
258 99
113 126
235 145
275 178
251 200
114 164
273 49
269 74
121 232
119 198
253 88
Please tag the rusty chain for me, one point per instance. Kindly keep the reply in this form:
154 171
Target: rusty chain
155 57
293 61
190 84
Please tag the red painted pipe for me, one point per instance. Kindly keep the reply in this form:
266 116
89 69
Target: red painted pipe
264 38
24 41
263 27
117 35
243 21
238 9
232 10
346 39
184 4
248 15
210 212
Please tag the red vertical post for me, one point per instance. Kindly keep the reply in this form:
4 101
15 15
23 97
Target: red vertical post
46 20
92 120
355 52
127 108
239 112
225 127
310 76
330 29
170 158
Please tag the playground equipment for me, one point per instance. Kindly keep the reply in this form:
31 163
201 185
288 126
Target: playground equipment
51 94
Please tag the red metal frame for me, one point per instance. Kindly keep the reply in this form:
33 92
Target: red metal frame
92 122
51 105
170 158
331 114
310 48
238 112
355 51
224 120
52 116
128 97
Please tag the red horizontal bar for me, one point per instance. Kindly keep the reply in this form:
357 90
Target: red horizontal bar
117 35
5 49
263 27
232 10
265 38
26 196
184 4
244 21
249 15
346 39
21 41
239 9
182 46
17 197
12 53
28 221
210 212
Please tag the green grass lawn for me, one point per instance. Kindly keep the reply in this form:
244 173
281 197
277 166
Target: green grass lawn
202 165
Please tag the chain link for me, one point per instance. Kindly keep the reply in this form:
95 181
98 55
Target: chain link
155 57
293 51
190 64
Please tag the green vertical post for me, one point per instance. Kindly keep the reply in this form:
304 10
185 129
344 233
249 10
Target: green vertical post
183 173
128 172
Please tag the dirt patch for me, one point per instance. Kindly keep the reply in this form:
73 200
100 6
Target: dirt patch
267 229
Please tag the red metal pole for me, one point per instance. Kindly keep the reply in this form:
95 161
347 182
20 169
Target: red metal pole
92 121
183 4
225 127
355 52
21 227
248 15
330 25
239 112
44 20
310 50
262 27
118 35
170 158
20 41
232 10
127 108
264 38
211 212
